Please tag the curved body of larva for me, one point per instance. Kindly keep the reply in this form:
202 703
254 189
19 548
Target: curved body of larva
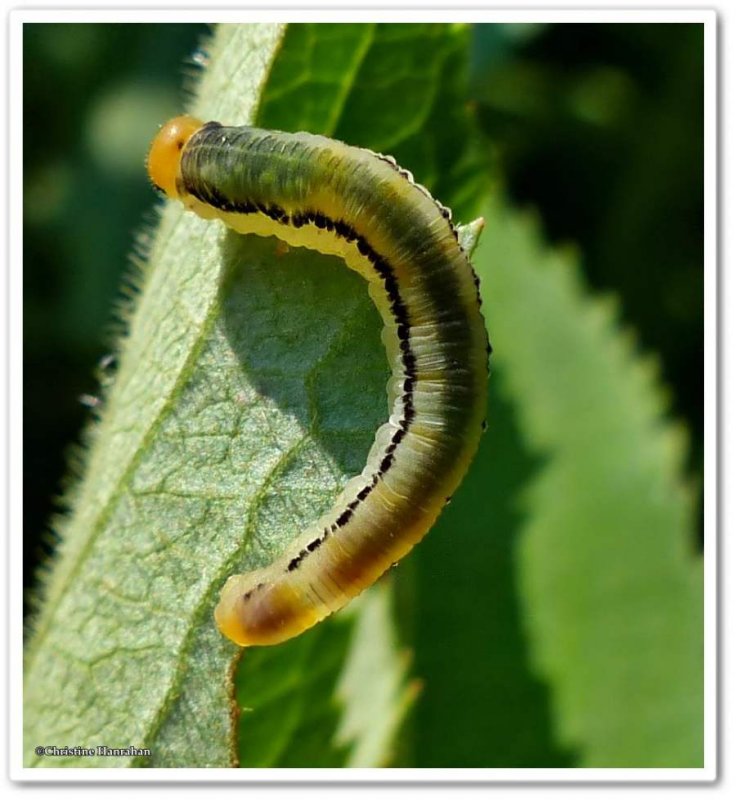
318 193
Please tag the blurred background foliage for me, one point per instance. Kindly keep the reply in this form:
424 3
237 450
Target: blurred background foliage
597 127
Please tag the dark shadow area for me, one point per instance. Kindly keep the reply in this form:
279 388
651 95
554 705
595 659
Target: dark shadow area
300 323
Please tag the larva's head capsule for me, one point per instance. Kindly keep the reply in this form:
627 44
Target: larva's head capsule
165 153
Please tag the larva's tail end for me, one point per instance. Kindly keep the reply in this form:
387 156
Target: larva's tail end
165 153
230 627
255 611
229 615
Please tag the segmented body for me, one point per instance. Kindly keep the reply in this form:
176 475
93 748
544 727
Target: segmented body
314 192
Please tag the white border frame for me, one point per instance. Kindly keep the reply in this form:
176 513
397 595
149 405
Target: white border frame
470 12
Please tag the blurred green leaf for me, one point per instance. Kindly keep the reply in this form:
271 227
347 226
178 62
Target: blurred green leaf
563 563
611 591
465 615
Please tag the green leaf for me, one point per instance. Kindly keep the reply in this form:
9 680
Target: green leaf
249 390
611 592
332 697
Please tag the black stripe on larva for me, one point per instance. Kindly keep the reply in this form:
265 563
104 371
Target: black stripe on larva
343 230
364 492
344 518
310 548
274 212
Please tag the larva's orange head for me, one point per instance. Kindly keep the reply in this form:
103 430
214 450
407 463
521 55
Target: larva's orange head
165 153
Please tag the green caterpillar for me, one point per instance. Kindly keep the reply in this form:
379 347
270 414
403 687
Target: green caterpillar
310 191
